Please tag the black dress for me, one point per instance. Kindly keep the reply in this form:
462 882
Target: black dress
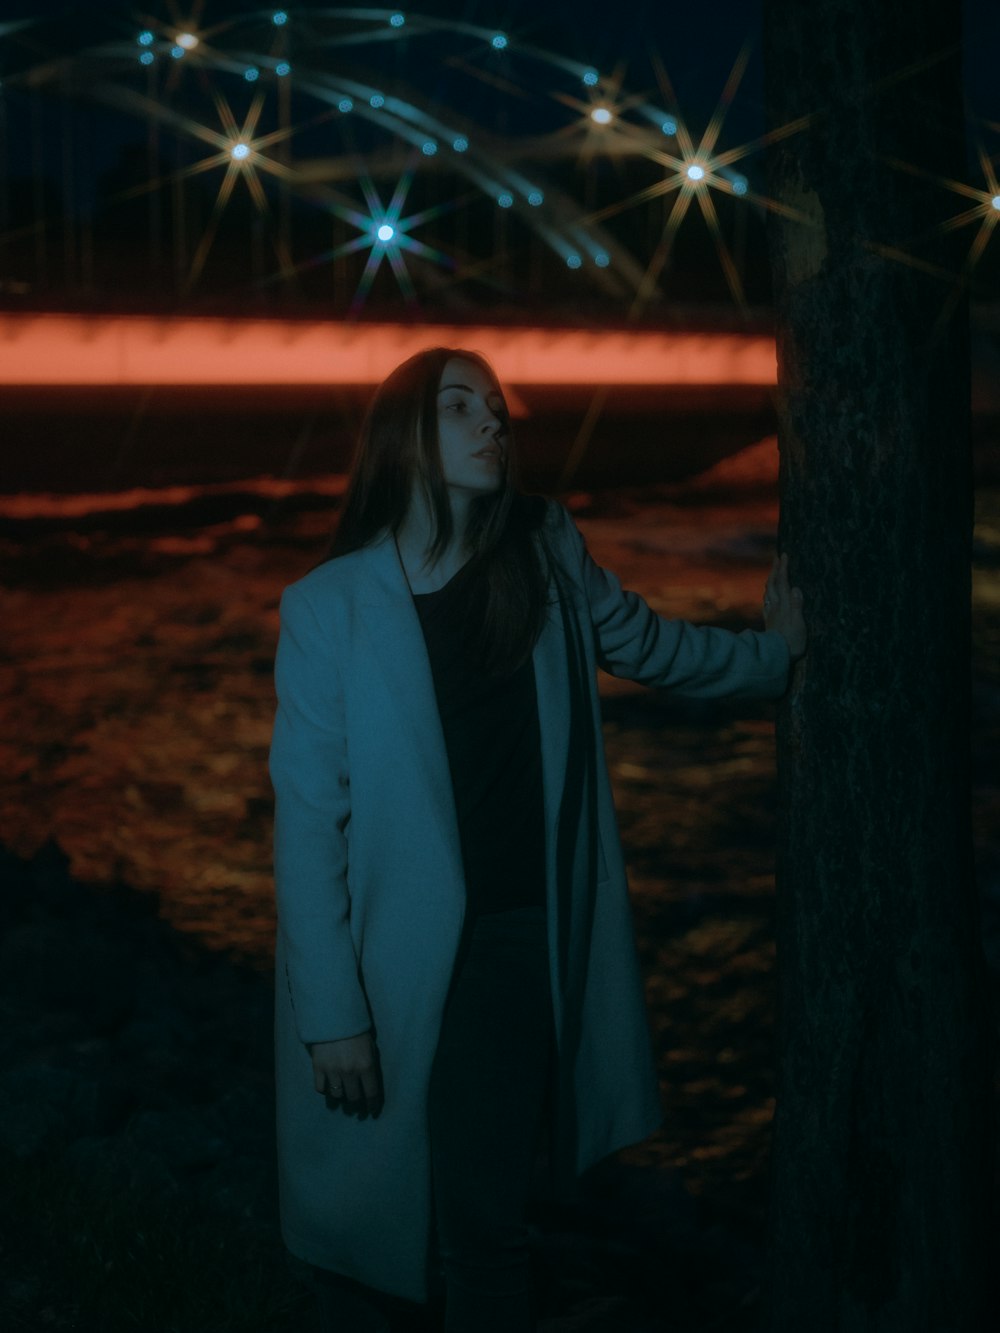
489 1098
493 740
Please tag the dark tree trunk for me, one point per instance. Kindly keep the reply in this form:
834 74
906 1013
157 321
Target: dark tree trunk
882 1167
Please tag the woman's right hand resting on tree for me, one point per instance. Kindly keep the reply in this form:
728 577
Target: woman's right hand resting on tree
347 1072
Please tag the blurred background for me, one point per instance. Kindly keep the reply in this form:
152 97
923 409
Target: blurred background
220 227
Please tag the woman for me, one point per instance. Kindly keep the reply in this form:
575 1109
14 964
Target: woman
457 978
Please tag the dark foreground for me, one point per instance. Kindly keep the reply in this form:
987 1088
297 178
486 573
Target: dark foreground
136 1132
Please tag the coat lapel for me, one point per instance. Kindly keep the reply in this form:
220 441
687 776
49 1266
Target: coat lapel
553 689
399 653
552 685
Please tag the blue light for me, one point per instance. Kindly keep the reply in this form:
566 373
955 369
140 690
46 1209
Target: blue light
535 198
279 18
251 75
601 115
397 20
146 58
601 259
573 261
498 41
145 38
590 77
240 151
345 104
282 68
177 52
740 185
376 100
505 200
669 126
429 148
460 144
385 233
995 201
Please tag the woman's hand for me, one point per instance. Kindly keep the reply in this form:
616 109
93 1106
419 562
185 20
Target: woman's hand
347 1071
783 608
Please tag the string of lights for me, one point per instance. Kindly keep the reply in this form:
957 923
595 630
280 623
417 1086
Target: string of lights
338 110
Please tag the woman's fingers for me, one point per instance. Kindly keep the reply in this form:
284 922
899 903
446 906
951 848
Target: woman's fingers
781 574
778 567
371 1084
362 1097
340 1086
351 1088
357 1091
783 607
778 589
772 589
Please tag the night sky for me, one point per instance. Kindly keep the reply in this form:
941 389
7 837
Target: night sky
698 44
94 156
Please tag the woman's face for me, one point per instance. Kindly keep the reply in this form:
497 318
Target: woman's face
472 427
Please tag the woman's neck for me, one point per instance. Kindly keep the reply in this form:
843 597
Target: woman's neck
413 539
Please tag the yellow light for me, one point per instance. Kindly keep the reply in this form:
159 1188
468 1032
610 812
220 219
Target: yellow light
601 115
188 40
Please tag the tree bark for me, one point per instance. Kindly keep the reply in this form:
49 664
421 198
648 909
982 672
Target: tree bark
882 1164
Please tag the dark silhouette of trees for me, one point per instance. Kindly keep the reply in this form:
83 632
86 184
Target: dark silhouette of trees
883 1150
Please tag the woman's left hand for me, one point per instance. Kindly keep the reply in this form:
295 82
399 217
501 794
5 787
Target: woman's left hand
783 608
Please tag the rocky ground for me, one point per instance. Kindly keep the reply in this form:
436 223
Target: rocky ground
136 1123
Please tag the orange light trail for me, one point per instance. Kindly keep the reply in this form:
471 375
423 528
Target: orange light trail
140 350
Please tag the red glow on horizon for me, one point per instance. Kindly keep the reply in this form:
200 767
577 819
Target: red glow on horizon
34 504
123 350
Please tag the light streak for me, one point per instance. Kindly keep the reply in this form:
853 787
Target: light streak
383 230
241 155
693 174
985 212
429 128
122 350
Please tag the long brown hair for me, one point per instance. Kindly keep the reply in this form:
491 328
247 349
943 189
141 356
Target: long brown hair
398 449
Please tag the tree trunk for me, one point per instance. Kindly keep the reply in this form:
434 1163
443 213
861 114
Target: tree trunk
883 1151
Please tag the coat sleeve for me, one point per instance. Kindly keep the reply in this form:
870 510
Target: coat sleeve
312 809
694 661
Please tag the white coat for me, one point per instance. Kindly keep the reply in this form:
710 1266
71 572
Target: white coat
371 896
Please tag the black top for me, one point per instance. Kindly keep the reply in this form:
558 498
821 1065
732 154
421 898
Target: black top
494 749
